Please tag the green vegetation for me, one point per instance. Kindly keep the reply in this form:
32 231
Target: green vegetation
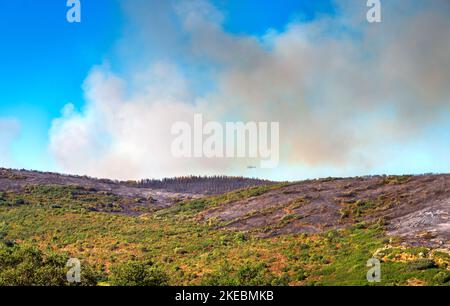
135 273
249 274
172 247
396 179
26 266
359 209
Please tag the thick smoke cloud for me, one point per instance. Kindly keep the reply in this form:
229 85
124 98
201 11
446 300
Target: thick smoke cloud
346 92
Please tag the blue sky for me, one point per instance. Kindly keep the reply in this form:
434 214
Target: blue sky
45 61
255 17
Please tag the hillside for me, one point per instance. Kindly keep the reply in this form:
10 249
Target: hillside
144 193
317 232
415 208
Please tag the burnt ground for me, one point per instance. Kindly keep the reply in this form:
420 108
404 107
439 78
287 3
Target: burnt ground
414 208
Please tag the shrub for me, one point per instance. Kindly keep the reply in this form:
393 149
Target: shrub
240 237
222 277
300 275
136 273
19 201
421 264
247 275
27 266
283 280
442 277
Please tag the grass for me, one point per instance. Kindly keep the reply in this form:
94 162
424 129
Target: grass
61 219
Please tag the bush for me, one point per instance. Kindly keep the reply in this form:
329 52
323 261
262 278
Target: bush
421 264
18 202
136 273
442 277
300 275
240 237
246 275
27 266
222 277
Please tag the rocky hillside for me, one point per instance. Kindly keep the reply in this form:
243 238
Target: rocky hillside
415 208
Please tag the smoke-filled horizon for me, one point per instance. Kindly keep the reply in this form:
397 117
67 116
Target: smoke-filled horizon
351 97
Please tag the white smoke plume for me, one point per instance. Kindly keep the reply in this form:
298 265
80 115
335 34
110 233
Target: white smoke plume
346 92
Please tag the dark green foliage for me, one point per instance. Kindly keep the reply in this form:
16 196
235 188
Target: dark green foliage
442 277
134 273
18 201
421 264
6 200
27 266
300 275
250 274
